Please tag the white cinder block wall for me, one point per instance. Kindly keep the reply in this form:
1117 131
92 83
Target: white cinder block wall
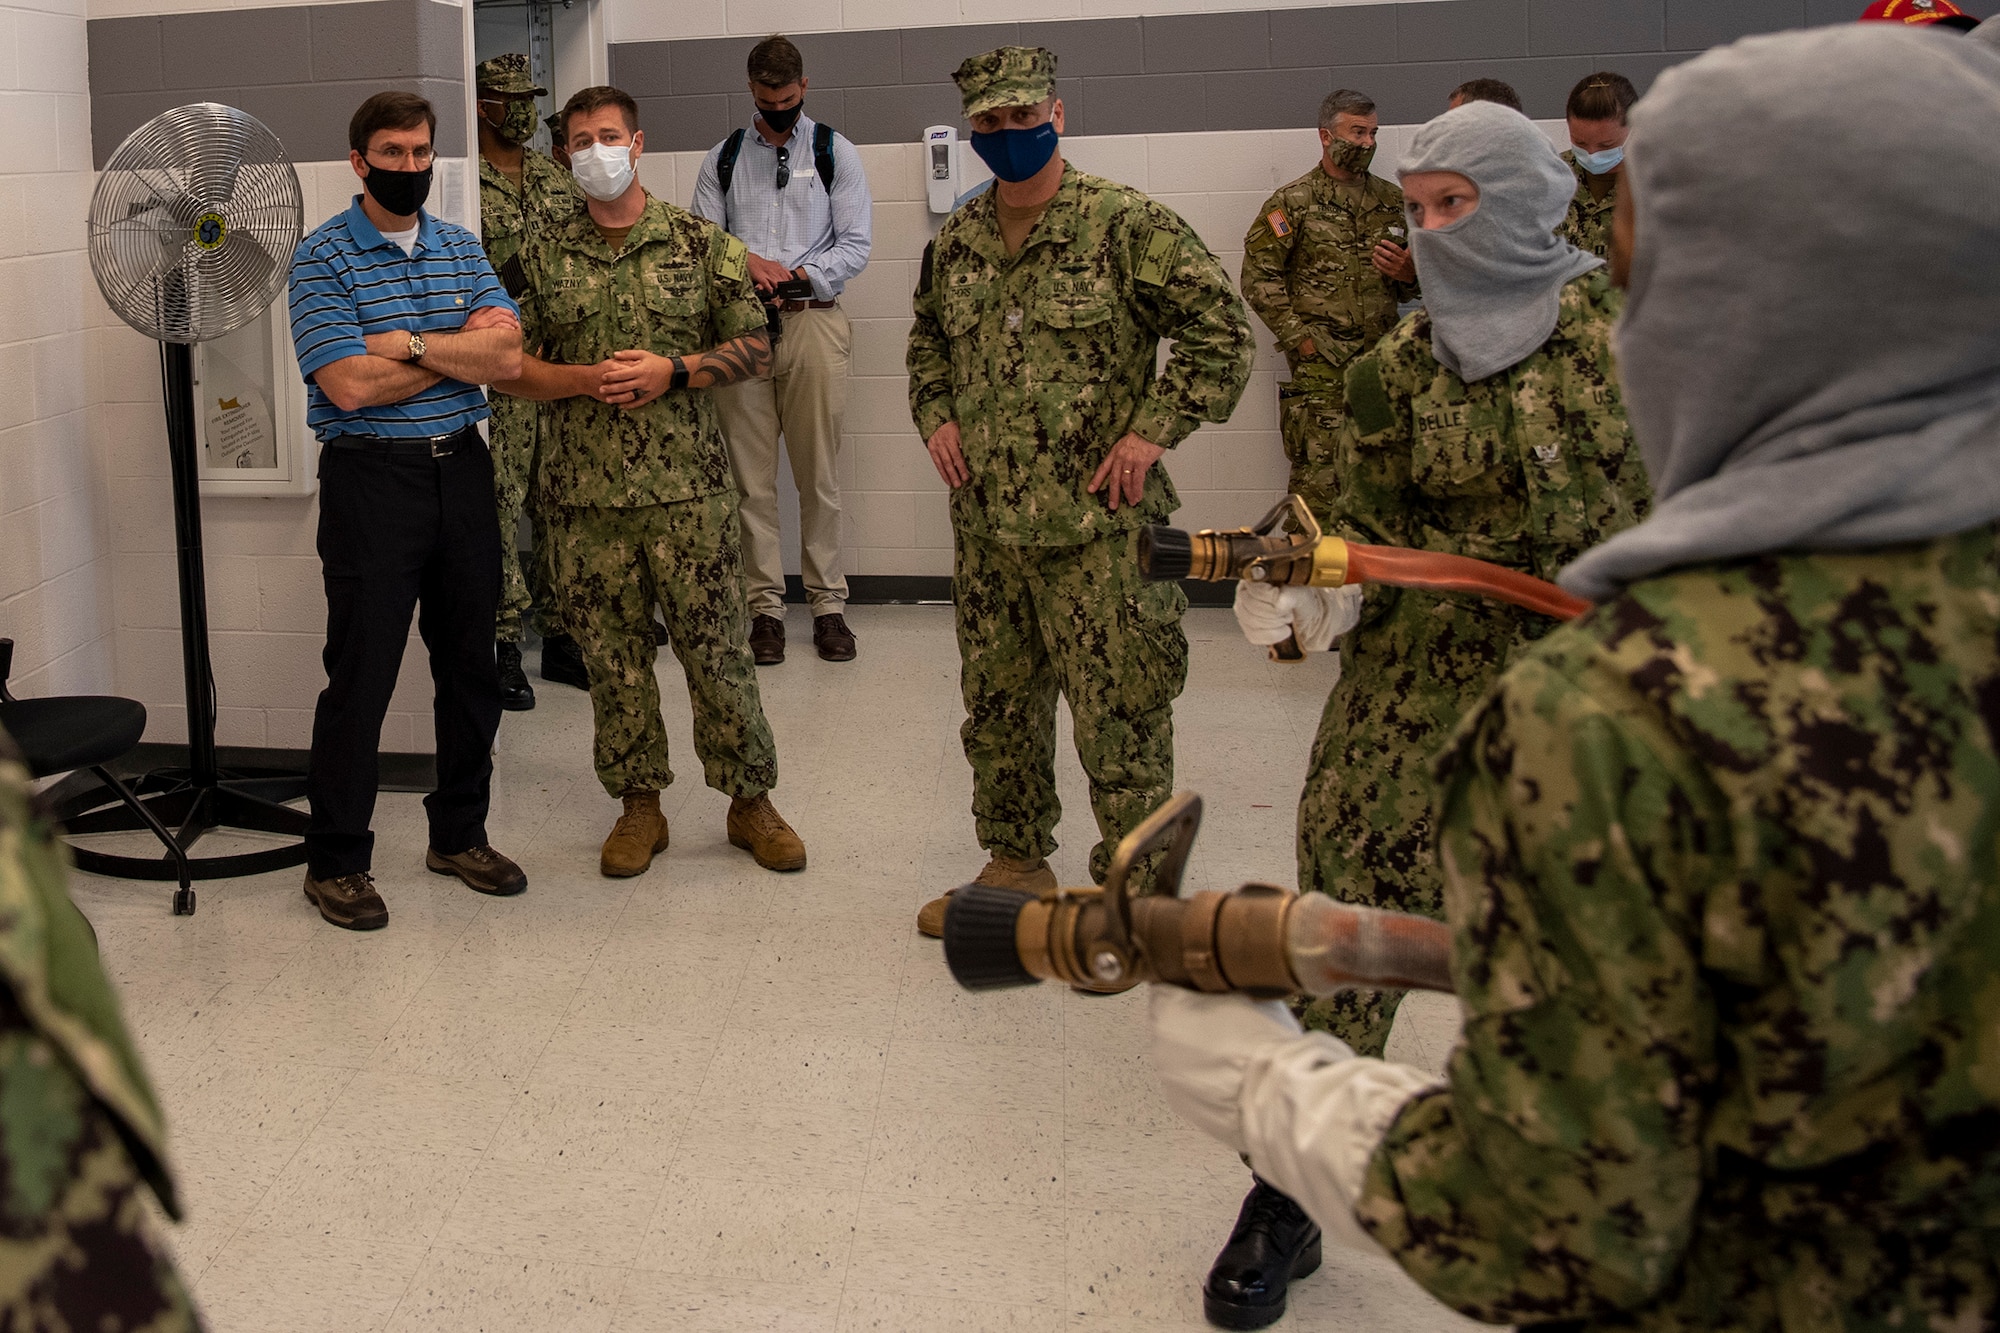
55 570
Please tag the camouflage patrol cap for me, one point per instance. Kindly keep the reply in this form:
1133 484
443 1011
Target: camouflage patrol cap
1008 76
507 74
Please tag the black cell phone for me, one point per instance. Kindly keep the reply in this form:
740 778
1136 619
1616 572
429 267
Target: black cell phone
794 289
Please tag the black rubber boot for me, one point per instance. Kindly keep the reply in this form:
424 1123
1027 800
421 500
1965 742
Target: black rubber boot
516 694
562 662
1273 1245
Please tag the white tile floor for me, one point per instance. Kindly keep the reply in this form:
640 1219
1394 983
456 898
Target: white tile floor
713 1097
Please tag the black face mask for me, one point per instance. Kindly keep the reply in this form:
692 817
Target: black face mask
399 192
782 121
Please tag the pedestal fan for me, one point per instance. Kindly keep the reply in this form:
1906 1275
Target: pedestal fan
192 227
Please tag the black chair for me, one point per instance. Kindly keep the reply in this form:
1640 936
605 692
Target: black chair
86 731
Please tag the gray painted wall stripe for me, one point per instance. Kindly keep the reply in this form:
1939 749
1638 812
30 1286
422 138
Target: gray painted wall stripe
303 69
300 69
1192 72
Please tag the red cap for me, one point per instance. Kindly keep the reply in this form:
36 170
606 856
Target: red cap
1912 11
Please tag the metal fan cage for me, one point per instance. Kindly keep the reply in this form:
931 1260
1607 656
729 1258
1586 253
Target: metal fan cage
193 223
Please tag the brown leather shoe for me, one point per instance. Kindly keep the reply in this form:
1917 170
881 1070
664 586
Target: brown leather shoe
1002 872
348 901
756 826
639 835
481 868
767 640
832 637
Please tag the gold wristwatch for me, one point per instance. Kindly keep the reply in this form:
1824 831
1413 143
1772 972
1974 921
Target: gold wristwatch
417 348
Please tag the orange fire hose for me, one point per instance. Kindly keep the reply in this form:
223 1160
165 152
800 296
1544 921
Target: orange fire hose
1403 568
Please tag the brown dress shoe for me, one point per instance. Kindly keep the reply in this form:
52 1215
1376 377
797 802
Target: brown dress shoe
832 637
767 640
1002 872
639 835
348 901
481 868
756 826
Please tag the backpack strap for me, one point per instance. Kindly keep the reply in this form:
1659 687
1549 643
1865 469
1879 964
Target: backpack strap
725 162
823 154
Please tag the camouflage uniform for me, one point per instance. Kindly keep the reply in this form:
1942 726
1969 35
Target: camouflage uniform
640 503
80 1131
1309 273
1527 469
1045 359
1720 864
1588 226
507 214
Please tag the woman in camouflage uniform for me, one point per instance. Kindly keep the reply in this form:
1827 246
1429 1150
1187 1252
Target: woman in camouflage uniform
1722 859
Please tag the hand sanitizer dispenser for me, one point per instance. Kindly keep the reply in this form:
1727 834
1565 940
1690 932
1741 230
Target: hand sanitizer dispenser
941 167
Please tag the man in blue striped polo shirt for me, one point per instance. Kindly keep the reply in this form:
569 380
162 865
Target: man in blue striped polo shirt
398 319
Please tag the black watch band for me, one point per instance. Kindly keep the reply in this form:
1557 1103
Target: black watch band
680 379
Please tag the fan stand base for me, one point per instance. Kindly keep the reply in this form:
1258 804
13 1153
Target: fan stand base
184 808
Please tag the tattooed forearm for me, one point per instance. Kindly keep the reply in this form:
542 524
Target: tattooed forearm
742 358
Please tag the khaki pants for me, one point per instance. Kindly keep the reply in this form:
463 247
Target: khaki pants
804 400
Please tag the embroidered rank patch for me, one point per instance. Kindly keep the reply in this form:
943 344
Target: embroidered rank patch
1281 226
734 263
1162 247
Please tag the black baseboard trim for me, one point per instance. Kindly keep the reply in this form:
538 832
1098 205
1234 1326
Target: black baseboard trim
935 590
399 771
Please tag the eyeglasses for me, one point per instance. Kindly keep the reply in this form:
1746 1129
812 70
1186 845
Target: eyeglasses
397 159
784 166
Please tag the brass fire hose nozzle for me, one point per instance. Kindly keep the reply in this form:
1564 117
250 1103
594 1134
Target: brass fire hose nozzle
1260 940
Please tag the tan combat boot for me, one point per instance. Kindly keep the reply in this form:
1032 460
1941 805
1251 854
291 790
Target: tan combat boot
756 826
1002 872
639 835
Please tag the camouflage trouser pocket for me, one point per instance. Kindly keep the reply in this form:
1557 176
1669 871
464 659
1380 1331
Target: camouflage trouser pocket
1310 424
1158 654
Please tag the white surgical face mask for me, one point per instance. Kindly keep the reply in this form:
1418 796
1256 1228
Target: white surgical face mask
603 171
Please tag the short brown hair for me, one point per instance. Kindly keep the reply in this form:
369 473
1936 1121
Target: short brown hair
1486 90
775 62
1605 95
388 111
587 100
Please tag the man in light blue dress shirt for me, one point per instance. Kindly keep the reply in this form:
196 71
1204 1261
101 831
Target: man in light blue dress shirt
796 194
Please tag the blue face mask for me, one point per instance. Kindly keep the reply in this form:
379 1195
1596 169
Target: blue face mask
1015 155
1599 163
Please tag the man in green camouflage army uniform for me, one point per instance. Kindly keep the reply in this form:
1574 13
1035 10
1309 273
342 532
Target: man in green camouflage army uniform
636 307
520 191
1596 115
80 1132
1324 266
1040 309
1517 453
1720 857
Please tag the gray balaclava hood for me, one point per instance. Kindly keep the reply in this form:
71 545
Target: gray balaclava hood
1492 281
1810 350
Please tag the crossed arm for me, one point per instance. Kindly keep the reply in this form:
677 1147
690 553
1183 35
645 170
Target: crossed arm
633 378
485 349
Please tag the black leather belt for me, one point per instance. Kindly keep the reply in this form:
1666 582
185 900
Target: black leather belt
793 307
436 446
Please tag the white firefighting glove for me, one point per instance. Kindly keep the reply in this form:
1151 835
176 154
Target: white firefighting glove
1305 1111
1317 616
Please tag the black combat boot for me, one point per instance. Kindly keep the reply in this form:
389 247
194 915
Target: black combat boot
562 662
516 694
1274 1243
